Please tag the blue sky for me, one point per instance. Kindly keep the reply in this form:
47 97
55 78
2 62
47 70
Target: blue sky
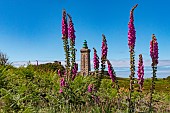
31 29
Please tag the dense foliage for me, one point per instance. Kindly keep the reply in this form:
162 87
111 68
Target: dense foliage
29 90
48 67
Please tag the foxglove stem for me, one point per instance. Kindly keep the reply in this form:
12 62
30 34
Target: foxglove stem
131 43
73 62
132 68
104 54
154 56
140 72
65 43
72 37
103 58
112 74
67 58
114 79
96 67
74 71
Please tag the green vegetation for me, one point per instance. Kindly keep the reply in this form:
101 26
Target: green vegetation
47 67
31 90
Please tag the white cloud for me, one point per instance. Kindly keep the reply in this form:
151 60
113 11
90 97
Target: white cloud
121 67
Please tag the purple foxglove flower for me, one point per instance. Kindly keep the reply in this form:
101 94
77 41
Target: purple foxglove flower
156 52
65 73
59 73
104 48
140 71
62 82
111 71
64 26
74 71
71 30
60 91
90 88
131 32
151 49
96 60
154 49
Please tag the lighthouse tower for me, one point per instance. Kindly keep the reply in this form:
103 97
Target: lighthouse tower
85 59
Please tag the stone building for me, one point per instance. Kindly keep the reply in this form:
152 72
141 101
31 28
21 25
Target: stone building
85 59
85 66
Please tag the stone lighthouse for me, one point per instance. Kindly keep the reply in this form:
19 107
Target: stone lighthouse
85 59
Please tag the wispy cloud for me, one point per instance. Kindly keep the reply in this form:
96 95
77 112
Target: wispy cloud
121 67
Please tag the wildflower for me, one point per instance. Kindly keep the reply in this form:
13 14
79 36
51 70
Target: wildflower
154 50
131 44
62 82
65 43
74 71
154 56
140 71
90 88
111 71
104 48
59 72
64 26
131 32
71 30
60 91
96 60
103 59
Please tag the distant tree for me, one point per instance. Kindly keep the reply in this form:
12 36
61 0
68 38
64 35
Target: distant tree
48 67
3 59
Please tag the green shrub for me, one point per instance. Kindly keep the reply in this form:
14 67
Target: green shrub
47 67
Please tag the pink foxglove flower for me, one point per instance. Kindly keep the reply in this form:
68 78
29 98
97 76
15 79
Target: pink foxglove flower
111 71
90 88
62 82
64 26
140 71
96 60
131 32
74 71
154 50
59 73
104 48
60 91
71 30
